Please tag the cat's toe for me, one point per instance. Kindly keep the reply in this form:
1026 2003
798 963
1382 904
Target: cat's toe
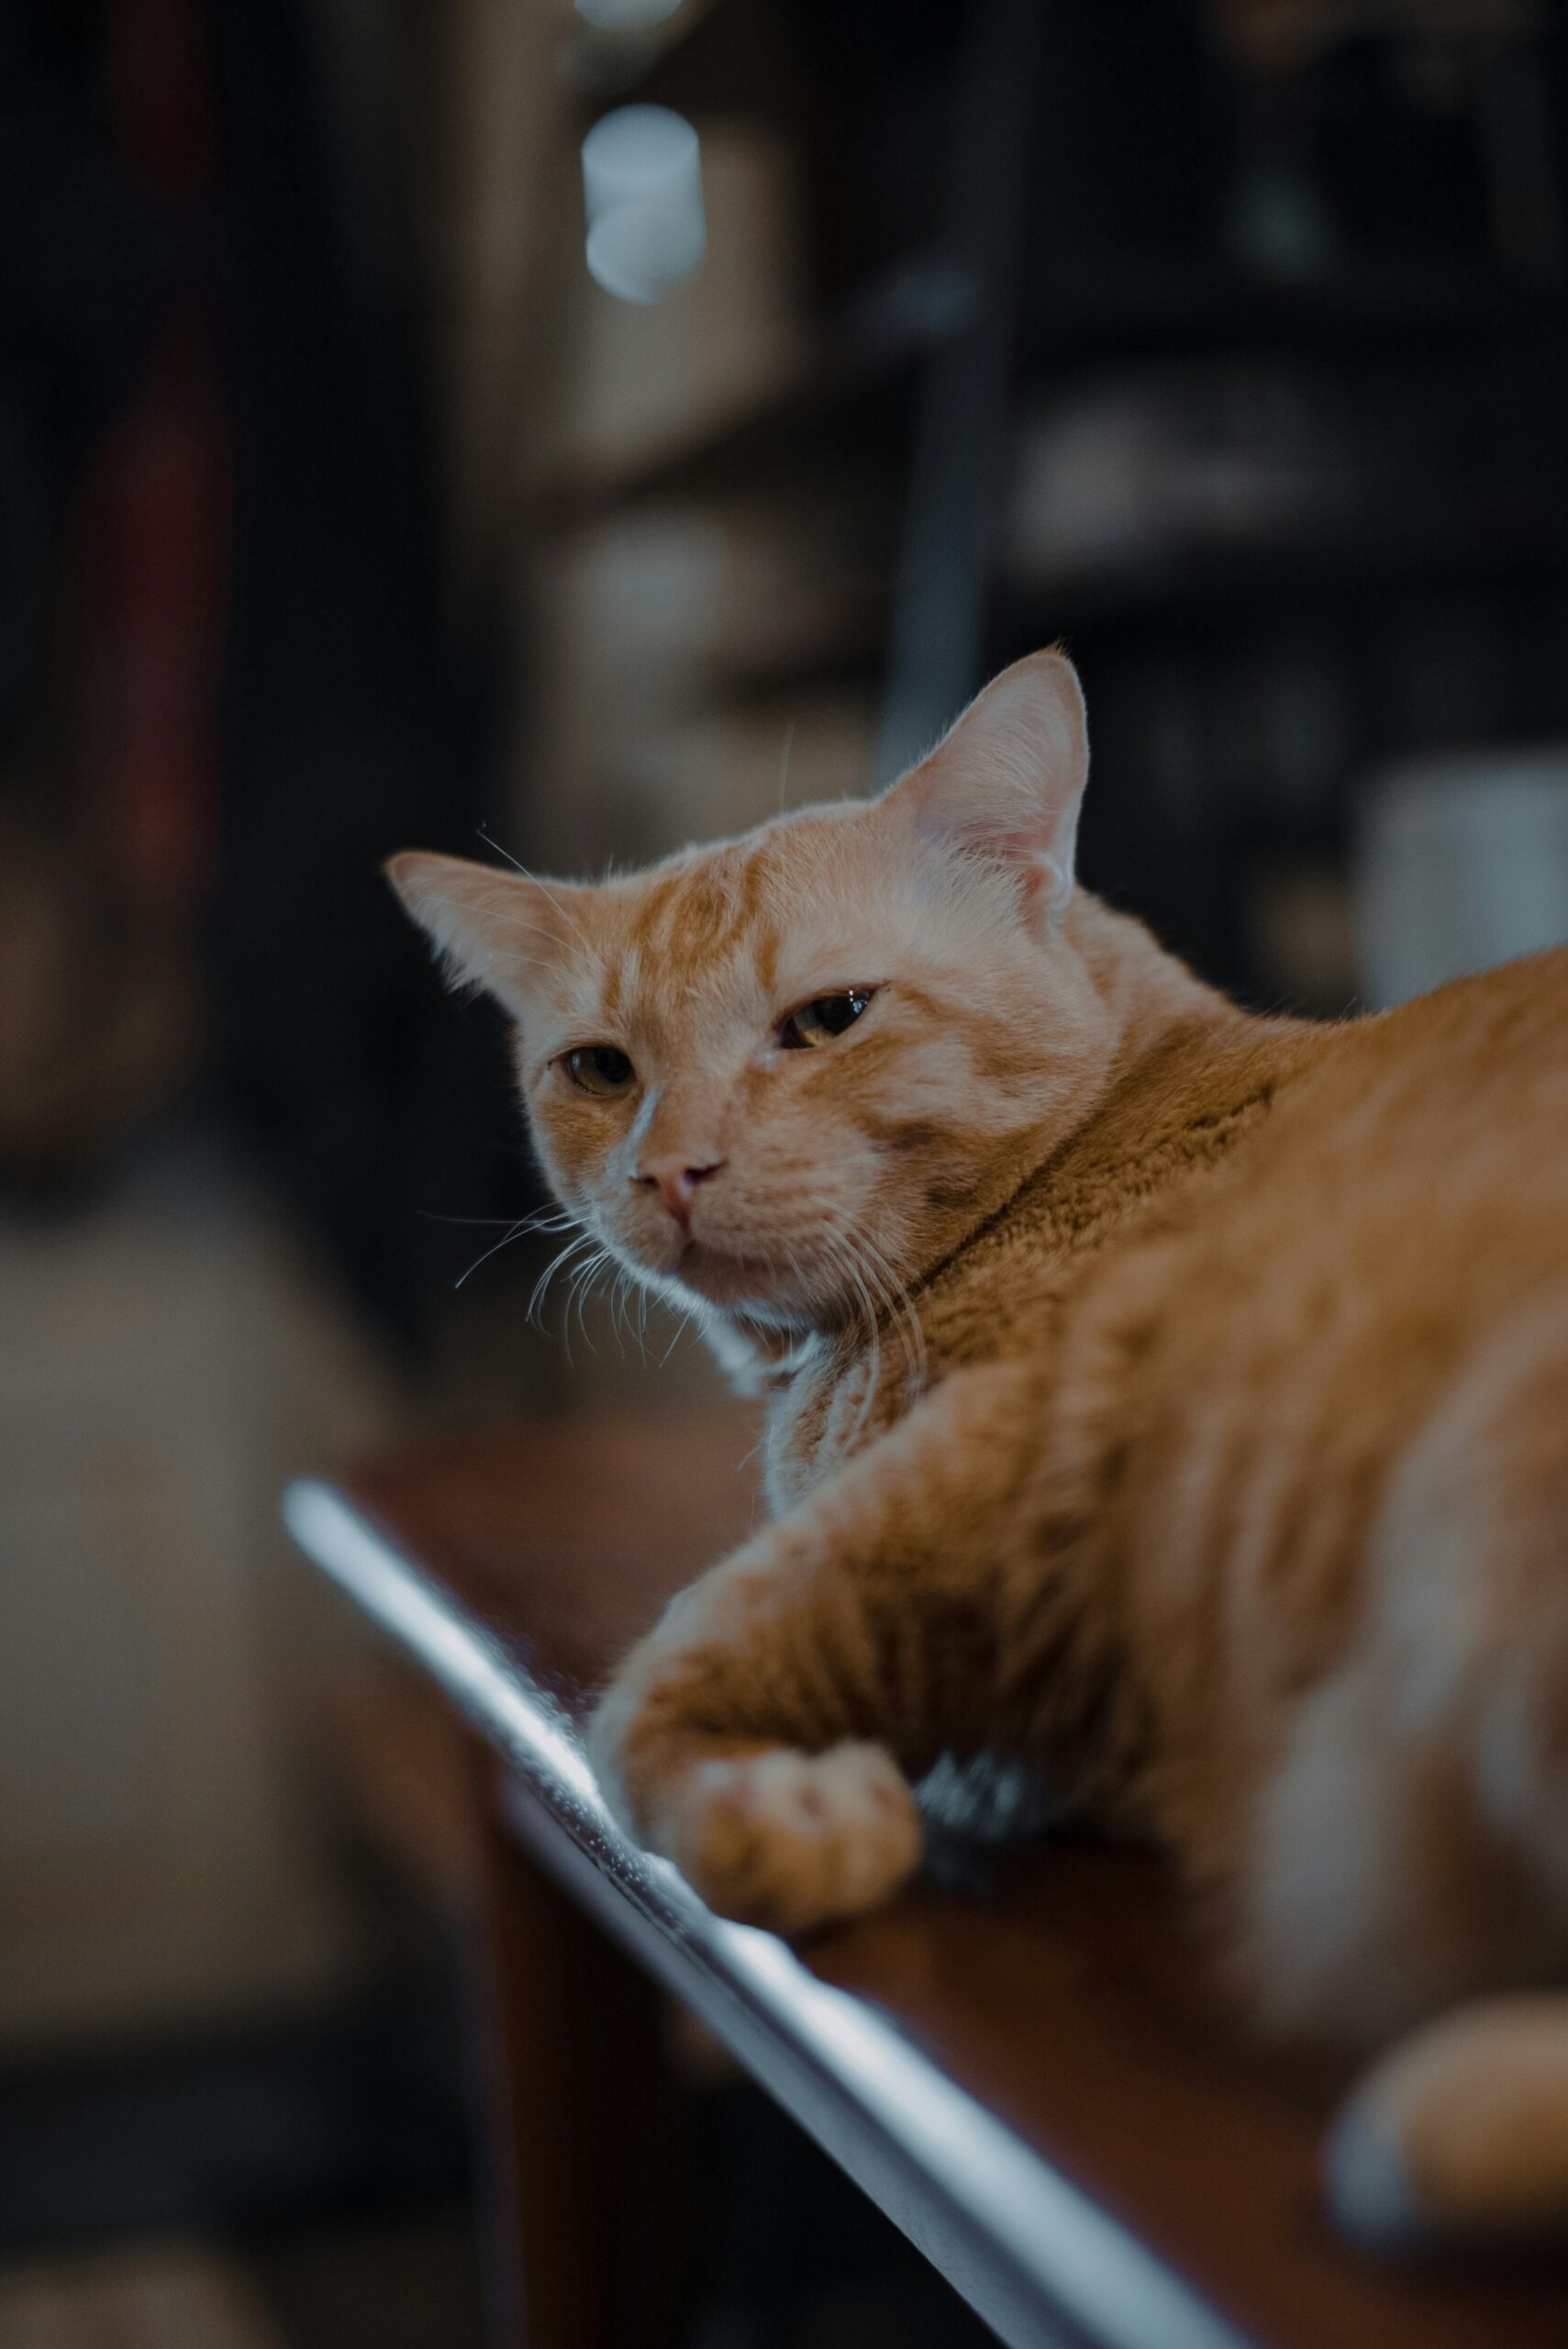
791 1839
1460 2135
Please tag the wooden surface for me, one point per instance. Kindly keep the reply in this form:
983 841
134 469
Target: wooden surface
588 2156
1072 1998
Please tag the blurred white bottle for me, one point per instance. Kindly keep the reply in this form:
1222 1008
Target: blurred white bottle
1461 862
642 194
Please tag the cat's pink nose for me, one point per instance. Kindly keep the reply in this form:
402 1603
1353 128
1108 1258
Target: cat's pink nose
676 1180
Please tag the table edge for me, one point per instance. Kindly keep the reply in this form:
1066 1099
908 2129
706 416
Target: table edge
1030 2250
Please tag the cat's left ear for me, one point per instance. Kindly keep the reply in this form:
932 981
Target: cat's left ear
1006 782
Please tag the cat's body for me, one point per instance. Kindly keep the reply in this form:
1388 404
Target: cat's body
1175 1398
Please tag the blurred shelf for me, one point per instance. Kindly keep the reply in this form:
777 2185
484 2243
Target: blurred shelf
729 455
1213 580
850 405
606 63
853 660
1086 318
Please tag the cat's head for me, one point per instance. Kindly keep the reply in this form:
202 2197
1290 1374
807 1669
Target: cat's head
776 1073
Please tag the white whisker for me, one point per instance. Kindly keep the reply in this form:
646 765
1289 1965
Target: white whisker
900 1307
543 886
495 1249
541 1286
545 1219
579 1289
835 1242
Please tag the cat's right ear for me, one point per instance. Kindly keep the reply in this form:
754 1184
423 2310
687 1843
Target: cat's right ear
1006 781
495 930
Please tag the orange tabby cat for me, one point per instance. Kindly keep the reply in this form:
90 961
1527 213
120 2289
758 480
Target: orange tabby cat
1175 1398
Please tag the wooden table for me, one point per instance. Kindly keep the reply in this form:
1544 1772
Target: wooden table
1039 2085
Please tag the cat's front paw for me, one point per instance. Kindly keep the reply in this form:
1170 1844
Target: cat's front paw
790 1839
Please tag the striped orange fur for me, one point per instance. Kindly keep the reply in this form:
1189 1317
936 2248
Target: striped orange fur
1171 1396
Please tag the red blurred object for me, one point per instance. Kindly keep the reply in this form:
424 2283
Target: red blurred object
153 544
155 527
160 92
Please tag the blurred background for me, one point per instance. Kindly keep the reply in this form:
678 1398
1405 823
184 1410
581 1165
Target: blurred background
409 436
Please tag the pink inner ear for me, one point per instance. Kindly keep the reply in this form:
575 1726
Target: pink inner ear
1007 781
1046 883
1039 849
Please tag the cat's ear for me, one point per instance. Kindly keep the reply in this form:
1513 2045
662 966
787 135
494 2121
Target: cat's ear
492 929
1006 782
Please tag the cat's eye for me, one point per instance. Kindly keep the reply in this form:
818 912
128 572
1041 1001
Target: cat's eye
825 1017
599 1068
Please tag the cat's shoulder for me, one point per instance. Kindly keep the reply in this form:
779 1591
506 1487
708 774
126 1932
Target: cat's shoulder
1161 1124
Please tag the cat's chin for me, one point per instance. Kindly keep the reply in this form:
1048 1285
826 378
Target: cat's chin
750 1287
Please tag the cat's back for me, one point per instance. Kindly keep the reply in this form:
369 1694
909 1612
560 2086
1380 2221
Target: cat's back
1256 1371
1412 1174
1450 1111
1488 1048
